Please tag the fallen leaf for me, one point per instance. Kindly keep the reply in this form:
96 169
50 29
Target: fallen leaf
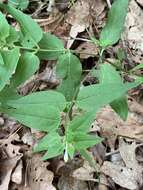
39 177
112 127
87 49
79 18
127 174
133 33
85 173
17 173
6 168
68 183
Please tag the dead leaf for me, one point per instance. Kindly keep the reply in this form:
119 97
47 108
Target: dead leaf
85 173
140 2
68 183
39 177
17 173
120 175
134 30
127 174
6 168
28 139
9 147
112 126
79 18
87 49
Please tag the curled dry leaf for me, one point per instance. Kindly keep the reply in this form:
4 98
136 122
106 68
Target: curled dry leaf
129 174
8 164
79 18
17 173
39 177
112 126
6 168
134 29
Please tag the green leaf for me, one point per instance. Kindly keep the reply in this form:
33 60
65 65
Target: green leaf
96 96
120 106
138 67
69 72
50 98
53 151
47 141
1 60
51 142
82 123
108 74
87 155
111 33
38 116
19 4
4 28
8 94
31 33
10 59
28 64
50 47
13 36
83 141
39 110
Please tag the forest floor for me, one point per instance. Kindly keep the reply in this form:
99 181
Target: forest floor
120 158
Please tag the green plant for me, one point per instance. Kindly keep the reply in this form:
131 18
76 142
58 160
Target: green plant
19 4
20 52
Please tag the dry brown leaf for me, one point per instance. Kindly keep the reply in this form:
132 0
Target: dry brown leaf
140 2
112 126
134 30
120 175
39 177
11 149
87 49
129 173
79 18
17 173
68 183
6 168
85 173
28 139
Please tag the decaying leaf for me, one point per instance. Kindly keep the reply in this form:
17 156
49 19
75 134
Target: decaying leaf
39 178
112 126
17 173
84 173
6 168
134 29
68 183
127 174
79 18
